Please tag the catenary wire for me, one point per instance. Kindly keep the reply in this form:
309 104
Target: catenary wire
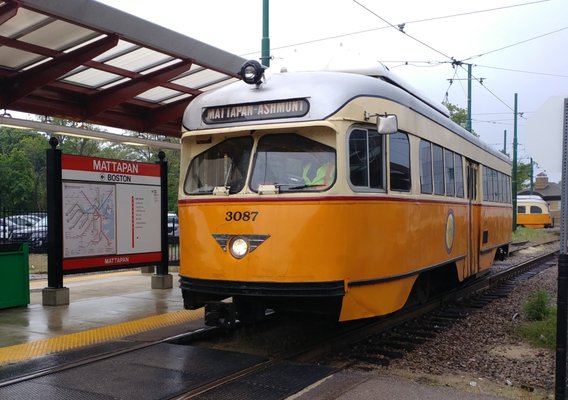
398 28
403 23
515 44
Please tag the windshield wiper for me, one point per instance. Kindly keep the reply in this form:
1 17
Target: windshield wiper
288 186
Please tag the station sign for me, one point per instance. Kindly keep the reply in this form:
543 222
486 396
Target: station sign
256 111
111 213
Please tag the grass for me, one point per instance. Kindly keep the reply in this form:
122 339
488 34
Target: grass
522 234
540 327
539 333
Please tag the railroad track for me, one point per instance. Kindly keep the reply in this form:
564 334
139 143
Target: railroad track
280 374
391 337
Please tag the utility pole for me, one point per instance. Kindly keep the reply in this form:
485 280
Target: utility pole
469 79
505 142
532 176
265 45
514 177
468 124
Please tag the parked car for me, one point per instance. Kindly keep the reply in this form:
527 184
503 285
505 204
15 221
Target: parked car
4 232
9 223
173 225
35 236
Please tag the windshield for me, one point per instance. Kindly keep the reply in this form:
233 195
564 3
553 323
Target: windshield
223 165
293 163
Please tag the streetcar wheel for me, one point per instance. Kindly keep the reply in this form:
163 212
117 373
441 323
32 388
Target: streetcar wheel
249 311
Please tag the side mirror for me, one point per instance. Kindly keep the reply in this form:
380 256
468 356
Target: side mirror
387 124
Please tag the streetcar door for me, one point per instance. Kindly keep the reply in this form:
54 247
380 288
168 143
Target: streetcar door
474 216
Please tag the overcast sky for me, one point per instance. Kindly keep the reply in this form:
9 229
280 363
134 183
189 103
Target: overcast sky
516 46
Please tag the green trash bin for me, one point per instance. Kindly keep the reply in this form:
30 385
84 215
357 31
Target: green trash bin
14 275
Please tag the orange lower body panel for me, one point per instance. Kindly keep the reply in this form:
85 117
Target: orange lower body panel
376 247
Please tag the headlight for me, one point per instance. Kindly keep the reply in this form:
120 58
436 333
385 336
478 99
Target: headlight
239 247
252 72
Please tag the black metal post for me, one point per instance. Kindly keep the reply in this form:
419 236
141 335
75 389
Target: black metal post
162 268
562 309
562 299
54 217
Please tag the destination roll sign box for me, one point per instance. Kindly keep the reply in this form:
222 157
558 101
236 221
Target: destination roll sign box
257 111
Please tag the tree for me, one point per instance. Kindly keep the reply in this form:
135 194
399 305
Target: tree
23 162
22 168
458 115
17 183
523 175
34 147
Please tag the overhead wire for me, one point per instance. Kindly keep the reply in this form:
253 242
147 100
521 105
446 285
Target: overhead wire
417 21
521 71
400 28
446 97
454 61
515 44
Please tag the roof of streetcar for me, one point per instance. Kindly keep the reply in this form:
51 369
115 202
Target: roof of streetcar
327 92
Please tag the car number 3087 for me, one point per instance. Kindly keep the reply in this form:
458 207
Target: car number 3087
241 215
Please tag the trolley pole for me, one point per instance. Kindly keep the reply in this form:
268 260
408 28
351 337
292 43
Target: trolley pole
265 45
514 180
562 300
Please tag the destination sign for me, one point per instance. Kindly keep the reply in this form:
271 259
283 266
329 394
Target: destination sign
256 112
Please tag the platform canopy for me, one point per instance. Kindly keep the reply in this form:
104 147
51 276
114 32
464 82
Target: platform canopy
85 61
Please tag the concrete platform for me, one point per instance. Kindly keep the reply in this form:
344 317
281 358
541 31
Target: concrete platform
105 308
102 307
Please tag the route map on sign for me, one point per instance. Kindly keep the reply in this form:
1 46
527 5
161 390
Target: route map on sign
89 219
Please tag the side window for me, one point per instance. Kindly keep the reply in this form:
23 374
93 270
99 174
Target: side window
495 186
521 209
485 183
459 175
366 159
449 173
438 163
536 210
399 162
425 167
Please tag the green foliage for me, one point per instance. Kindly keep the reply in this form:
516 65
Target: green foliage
538 308
22 168
539 333
523 175
23 163
458 115
540 328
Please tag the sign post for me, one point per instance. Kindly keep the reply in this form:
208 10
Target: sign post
54 294
162 279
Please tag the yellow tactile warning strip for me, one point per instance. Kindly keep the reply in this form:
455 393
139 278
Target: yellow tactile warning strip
78 278
38 348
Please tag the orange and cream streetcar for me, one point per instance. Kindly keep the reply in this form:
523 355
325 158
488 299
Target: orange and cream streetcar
533 212
337 193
